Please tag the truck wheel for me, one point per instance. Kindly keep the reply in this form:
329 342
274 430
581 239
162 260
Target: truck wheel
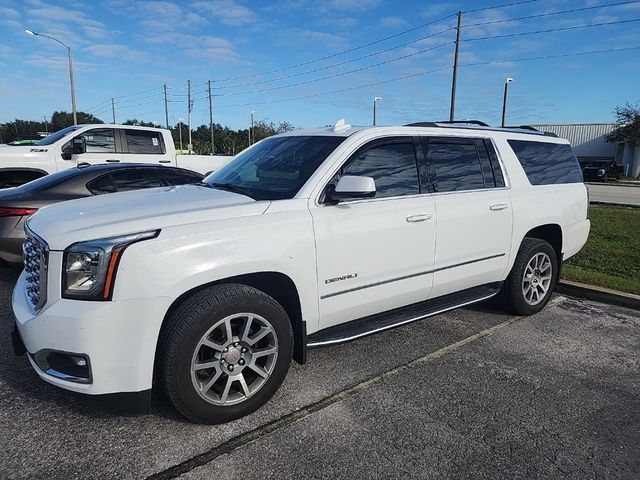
224 352
532 280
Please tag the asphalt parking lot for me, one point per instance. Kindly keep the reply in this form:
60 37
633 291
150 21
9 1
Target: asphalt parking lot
473 393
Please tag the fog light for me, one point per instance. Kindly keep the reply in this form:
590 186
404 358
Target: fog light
66 366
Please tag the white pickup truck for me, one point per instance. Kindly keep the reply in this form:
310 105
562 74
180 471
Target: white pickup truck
97 144
308 238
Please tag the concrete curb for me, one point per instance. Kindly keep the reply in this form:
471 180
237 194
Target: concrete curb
599 294
593 202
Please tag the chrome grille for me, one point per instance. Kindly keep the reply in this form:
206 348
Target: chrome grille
35 256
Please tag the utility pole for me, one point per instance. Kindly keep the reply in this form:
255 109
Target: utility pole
252 136
46 125
452 112
166 109
213 144
504 100
113 110
180 133
190 146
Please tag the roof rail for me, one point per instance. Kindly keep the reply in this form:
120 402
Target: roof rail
479 125
533 129
469 122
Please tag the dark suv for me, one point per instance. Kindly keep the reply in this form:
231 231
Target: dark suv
601 170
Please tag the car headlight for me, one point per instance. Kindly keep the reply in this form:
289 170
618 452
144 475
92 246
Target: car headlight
89 268
601 171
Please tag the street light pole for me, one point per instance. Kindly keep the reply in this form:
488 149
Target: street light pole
504 99
71 82
375 100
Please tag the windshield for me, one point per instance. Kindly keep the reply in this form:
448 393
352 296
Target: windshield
276 168
54 137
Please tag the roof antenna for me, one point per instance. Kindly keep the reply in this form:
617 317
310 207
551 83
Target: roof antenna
341 125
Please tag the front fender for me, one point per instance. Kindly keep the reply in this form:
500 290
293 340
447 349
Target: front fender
184 258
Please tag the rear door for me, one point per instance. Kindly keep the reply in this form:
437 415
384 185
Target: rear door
376 254
474 215
144 146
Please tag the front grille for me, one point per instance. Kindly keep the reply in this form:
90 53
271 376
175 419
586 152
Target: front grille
35 255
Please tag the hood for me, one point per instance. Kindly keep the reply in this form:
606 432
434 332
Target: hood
114 214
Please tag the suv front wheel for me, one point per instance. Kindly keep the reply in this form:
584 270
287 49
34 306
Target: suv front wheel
533 277
224 352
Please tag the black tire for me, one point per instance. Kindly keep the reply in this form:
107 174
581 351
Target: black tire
181 335
512 290
605 178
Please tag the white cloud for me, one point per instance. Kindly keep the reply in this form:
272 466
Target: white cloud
228 12
7 12
393 22
118 51
354 5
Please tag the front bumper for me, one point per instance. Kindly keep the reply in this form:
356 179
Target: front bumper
118 339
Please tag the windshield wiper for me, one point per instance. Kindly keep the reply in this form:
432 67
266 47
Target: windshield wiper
230 187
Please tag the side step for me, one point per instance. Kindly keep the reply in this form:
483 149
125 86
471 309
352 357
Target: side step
400 316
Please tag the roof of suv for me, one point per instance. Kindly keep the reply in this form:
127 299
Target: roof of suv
342 129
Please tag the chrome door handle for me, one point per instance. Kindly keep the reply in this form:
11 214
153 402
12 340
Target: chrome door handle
418 218
498 206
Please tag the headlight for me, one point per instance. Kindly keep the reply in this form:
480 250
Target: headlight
89 268
601 171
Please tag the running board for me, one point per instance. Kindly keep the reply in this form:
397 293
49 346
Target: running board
380 322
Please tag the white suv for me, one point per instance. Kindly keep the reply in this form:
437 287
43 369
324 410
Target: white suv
308 238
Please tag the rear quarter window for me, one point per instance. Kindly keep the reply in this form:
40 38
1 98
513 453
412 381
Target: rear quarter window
547 163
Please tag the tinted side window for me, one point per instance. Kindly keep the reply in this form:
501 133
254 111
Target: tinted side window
392 166
181 177
141 141
456 166
135 179
100 140
547 163
101 185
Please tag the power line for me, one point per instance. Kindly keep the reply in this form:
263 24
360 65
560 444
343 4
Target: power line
328 77
504 5
327 67
335 75
426 72
549 14
560 29
359 47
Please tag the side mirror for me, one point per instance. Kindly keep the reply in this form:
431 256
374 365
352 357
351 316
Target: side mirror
75 146
350 187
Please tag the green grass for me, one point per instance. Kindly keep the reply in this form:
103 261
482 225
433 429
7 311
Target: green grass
611 257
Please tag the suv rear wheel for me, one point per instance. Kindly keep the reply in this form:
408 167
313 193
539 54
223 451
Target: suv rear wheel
532 279
224 352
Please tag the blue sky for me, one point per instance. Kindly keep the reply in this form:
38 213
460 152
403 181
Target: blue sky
127 49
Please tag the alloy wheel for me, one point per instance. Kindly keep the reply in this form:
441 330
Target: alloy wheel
537 278
234 359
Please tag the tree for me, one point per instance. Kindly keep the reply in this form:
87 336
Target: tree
60 120
628 125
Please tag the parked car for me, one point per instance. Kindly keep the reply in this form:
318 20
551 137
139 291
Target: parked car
95 144
305 239
16 204
601 170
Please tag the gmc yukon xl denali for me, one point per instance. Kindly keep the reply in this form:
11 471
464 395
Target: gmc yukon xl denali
305 239
91 144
